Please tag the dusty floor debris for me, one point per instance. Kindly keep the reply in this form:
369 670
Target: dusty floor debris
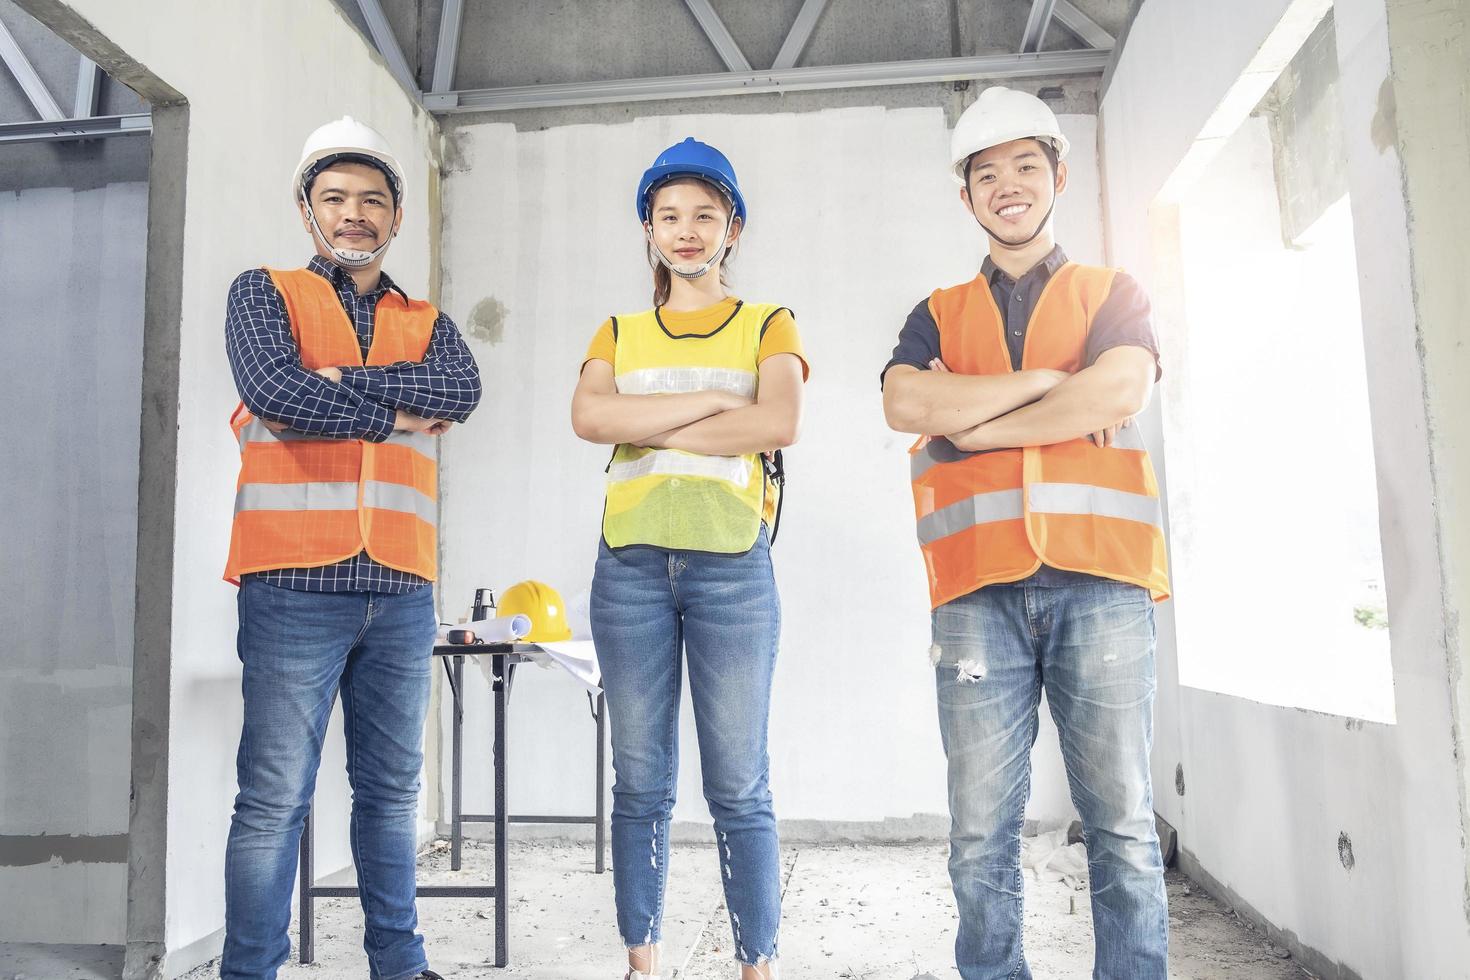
868 912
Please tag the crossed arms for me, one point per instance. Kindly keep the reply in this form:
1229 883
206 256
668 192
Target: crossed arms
716 423
1025 408
348 402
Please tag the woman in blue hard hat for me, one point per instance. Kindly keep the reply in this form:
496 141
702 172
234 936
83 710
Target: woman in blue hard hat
694 393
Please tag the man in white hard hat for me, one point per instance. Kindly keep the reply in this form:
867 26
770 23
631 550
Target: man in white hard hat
344 384
1042 537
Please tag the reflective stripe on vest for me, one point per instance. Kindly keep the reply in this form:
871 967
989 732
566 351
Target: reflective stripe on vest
336 496
305 501
983 508
1083 498
677 500
926 456
731 469
985 518
681 380
256 431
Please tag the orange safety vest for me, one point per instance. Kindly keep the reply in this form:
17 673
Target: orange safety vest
303 502
998 516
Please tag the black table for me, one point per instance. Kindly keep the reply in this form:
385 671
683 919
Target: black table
506 657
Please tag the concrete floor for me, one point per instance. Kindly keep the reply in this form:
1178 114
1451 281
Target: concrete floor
39 961
851 912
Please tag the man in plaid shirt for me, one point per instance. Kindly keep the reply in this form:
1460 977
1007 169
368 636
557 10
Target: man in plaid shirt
323 473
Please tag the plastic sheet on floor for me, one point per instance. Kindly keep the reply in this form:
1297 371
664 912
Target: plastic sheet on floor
1050 858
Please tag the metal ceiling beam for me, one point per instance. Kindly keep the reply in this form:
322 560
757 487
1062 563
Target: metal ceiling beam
1087 30
446 56
785 80
89 89
718 34
71 129
1036 24
387 44
20 66
800 34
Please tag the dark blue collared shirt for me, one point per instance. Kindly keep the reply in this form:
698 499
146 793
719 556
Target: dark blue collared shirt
275 386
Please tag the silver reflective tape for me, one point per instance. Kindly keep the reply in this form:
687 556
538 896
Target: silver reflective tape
671 462
255 431
921 462
396 496
679 380
420 442
296 496
983 508
1080 498
1129 438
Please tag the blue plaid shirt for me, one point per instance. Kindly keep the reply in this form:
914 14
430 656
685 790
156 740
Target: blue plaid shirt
275 386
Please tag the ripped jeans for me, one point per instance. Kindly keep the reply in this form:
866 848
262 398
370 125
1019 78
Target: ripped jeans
1090 643
651 611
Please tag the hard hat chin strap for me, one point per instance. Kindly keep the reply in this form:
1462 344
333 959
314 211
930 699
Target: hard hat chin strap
349 258
1031 238
685 270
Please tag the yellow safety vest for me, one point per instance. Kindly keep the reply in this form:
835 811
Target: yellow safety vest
669 498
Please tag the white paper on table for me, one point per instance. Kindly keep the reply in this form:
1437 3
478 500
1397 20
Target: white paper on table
578 658
501 629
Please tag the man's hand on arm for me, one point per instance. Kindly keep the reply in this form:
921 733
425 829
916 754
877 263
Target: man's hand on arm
1109 436
444 385
1095 401
409 422
402 421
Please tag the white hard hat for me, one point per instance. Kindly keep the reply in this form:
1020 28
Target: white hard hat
998 116
346 135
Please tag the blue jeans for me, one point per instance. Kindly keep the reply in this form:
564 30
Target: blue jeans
1091 645
722 610
299 649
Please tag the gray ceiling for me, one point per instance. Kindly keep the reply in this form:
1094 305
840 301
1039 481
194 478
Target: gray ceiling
512 42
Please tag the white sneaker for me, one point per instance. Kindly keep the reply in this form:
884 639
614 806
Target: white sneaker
633 974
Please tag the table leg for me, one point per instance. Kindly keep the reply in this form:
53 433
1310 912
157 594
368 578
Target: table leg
456 778
601 780
307 877
502 822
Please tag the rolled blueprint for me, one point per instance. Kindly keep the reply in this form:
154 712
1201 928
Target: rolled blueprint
501 629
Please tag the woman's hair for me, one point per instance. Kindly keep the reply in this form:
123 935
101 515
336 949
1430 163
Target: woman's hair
663 279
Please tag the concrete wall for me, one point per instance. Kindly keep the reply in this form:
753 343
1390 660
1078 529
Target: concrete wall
224 152
71 282
1310 161
1347 837
853 220
1427 110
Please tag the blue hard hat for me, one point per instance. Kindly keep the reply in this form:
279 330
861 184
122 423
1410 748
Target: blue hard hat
690 158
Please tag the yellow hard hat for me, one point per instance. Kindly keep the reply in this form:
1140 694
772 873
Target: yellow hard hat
542 604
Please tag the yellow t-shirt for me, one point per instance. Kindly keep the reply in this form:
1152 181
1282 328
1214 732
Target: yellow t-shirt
778 334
